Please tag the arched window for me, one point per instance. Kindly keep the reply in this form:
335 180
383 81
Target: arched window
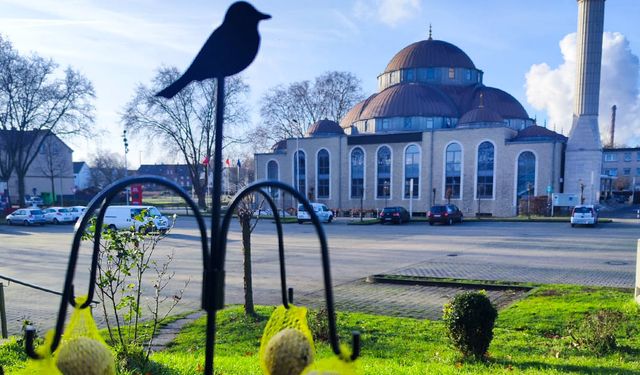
453 170
383 180
526 174
357 173
484 187
323 173
272 174
299 172
411 170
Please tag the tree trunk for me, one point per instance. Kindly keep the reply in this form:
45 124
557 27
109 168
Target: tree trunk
245 223
21 188
53 190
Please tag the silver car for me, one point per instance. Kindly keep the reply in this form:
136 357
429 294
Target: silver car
58 215
26 216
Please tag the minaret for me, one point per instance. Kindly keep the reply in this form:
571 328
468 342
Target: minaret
583 161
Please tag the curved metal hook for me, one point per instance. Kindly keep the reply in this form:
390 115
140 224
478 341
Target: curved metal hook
107 196
324 249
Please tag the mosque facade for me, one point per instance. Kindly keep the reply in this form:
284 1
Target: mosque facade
432 133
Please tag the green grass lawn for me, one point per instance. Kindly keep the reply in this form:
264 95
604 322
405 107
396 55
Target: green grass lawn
530 338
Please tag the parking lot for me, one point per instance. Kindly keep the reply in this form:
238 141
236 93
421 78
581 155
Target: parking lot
536 252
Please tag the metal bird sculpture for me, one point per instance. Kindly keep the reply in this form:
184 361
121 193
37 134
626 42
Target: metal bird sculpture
229 50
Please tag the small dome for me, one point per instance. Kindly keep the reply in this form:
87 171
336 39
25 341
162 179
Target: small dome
279 146
409 100
430 54
324 128
480 115
535 132
506 105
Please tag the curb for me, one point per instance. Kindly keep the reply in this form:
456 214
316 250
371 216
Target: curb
480 284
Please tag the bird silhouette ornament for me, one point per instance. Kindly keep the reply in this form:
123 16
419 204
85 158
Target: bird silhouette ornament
228 51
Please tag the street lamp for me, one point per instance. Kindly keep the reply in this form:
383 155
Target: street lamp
126 151
581 191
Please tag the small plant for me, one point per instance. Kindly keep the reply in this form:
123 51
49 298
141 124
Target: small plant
596 331
319 325
469 319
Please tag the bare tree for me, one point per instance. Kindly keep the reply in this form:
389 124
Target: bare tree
288 111
106 167
38 101
186 122
54 162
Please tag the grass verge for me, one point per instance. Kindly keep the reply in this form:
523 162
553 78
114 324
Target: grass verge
530 338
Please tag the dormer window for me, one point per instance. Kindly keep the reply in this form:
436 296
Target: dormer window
452 73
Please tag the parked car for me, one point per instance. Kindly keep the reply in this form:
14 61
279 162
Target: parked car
32 200
77 211
26 216
445 214
58 215
585 215
321 210
395 215
126 217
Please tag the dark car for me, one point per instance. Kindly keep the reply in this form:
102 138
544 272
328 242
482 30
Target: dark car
396 215
445 214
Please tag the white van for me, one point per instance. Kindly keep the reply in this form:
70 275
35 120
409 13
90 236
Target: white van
321 210
123 217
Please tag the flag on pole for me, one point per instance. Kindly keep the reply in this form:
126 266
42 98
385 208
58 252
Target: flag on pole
205 161
239 164
228 163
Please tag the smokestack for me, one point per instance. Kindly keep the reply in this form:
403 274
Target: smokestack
613 125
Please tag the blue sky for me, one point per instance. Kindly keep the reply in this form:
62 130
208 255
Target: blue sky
119 43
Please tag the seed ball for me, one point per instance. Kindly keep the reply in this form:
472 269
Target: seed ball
288 353
85 356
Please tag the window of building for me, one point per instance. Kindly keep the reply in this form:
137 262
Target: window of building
638 156
431 73
323 174
610 157
526 174
613 172
484 187
272 174
429 122
452 73
299 172
386 123
627 156
626 171
453 168
410 75
468 74
357 173
383 179
407 122
411 171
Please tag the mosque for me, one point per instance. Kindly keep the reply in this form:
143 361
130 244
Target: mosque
434 133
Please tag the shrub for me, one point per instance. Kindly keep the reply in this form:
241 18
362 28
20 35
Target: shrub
469 320
596 331
319 324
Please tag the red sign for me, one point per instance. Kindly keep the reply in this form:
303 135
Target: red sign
136 194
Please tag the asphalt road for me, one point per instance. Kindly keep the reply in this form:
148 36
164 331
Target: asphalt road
39 255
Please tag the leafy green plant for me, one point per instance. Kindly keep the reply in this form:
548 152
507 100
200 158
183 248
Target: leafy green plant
125 258
469 319
596 331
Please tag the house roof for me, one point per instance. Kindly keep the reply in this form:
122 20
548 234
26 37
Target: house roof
538 133
77 166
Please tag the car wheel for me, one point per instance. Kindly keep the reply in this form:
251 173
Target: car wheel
330 219
431 223
460 220
8 221
27 223
112 227
56 222
300 221
573 225
450 222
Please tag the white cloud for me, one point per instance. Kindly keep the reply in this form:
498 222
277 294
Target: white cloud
552 89
389 12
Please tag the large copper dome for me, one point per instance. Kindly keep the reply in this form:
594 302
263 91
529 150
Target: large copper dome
500 101
409 100
430 54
